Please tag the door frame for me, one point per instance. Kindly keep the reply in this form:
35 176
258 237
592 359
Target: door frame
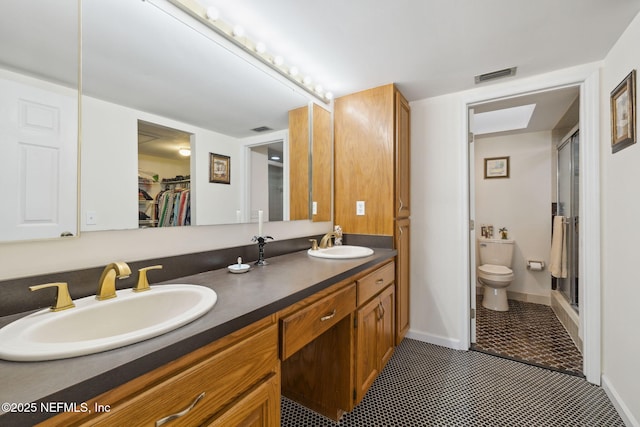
258 141
587 78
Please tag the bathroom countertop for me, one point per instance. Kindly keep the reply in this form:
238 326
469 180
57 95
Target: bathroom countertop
242 300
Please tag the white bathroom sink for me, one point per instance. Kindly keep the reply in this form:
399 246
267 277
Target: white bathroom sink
341 252
93 326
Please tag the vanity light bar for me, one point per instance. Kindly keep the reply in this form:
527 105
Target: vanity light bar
210 17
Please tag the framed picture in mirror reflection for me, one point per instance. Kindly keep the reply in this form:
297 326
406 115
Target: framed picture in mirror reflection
219 168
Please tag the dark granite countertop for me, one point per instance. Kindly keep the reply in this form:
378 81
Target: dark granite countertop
242 300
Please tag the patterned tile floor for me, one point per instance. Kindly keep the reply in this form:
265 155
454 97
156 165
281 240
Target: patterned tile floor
527 332
428 385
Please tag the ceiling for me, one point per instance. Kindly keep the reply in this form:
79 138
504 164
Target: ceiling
161 141
554 109
428 47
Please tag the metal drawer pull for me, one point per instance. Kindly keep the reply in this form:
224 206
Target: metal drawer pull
328 316
379 281
172 417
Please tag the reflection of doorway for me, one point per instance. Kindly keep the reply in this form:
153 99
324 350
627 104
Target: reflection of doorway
268 187
164 176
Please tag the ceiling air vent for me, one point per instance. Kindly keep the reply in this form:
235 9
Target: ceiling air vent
507 72
261 129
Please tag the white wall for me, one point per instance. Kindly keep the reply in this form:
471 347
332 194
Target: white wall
215 203
620 234
521 203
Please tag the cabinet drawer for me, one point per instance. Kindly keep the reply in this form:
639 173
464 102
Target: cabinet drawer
374 282
307 324
218 380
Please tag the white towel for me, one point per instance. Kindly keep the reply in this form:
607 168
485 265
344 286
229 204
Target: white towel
558 261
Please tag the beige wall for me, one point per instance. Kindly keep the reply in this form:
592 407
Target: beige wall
620 234
521 203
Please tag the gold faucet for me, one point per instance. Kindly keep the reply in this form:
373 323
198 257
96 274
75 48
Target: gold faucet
326 241
63 299
107 283
143 281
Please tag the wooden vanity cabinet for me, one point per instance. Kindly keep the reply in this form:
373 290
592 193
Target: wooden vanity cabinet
233 381
316 348
375 327
258 407
329 369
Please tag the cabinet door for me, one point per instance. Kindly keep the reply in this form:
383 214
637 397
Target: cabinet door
386 326
258 408
402 151
364 161
367 358
299 163
402 278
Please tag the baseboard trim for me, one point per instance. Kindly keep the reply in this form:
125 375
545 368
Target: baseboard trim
435 339
618 403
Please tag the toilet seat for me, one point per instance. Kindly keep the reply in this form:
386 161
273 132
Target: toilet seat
495 270
495 275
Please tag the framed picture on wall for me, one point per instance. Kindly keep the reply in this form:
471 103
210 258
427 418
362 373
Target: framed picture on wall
219 168
496 167
623 113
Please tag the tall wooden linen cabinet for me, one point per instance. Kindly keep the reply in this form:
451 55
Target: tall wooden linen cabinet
371 164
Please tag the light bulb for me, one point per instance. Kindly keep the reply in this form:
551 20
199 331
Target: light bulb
184 151
261 47
329 95
238 31
319 88
293 71
278 60
307 80
212 13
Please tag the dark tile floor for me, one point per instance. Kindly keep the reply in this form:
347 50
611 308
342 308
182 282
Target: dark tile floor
428 385
527 332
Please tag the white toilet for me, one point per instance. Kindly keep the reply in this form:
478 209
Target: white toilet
494 272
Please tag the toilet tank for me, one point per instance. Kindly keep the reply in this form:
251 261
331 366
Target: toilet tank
496 251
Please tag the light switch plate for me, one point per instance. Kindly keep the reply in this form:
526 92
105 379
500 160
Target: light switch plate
360 207
314 208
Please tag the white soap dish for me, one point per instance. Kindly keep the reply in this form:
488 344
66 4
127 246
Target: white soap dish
238 268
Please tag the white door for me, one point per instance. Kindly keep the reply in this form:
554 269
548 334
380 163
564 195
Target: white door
38 162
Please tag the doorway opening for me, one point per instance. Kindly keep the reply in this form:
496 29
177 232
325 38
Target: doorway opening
268 181
515 182
164 176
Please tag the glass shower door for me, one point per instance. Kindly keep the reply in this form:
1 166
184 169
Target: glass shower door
568 203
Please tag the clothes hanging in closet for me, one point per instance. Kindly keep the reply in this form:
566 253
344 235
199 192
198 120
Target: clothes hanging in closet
173 208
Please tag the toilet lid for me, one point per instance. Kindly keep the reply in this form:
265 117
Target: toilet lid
495 269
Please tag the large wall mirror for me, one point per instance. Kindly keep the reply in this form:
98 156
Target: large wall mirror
156 81
38 119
